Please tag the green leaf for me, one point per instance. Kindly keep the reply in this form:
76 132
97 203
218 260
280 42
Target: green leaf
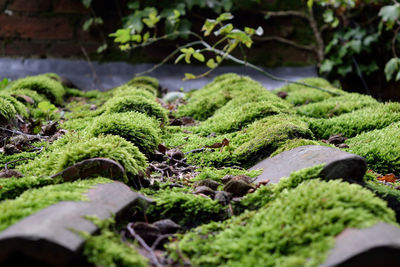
310 4
189 76
355 45
152 19
328 16
227 4
249 31
179 58
209 26
326 66
134 5
198 56
211 63
146 37
224 30
344 70
86 3
241 37
390 13
87 24
391 67
121 35
4 83
98 20
102 48
225 16
219 59
46 106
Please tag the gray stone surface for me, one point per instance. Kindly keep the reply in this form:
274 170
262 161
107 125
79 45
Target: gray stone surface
46 236
378 245
338 163
113 74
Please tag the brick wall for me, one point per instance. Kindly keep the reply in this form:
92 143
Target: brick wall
48 28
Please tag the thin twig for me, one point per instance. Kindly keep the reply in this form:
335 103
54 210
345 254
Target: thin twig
153 257
286 14
95 78
394 42
21 133
13 161
287 41
159 239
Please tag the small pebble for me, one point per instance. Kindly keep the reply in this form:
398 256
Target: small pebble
223 197
167 226
209 183
205 190
238 188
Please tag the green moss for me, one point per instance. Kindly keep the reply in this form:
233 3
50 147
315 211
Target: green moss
243 110
73 92
293 143
78 124
259 140
381 148
300 94
18 156
335 106
11 211
120 104
42 84
184 208
107 249
72 149
13 187
217 174
18 106
204 102
20 93
263 137
7 111
356 122
125 90
139 129
299 226
153 82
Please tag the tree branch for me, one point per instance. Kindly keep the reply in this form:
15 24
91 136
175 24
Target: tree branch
287 13
287 41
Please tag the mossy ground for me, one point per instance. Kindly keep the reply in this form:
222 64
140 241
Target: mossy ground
237 123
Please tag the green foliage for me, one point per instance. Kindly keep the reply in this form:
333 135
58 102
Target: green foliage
137 128
11 211
3 83
13 187
338 105
184 208
139 80
18 106
7 111
217 174
299 94
107 249
356 122
72 149
381 148
20 94
146 91
42 84
204 102
298 226
242 110
120 104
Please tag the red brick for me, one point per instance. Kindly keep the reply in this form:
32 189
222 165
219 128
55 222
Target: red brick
25 49
71 7
56 28
30 5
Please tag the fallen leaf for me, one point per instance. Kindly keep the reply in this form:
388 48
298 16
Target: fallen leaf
224 142
26 98
390 178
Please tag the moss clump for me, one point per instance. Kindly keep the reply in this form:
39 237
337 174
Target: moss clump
217 174
53 90
356 122
241 111
264 136
184 208
298 226
147 80
335 106
258 140
381 148
19 94
107 249
300 94
7 111
78 124
293 143
120 104
8 158
18 106
73 149
13 187
125 90
204 102
139 129
11 211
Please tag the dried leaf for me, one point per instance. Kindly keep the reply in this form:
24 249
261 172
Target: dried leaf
26 98
390 178
163 149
